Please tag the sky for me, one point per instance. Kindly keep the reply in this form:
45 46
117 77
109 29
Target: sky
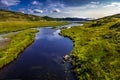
64 8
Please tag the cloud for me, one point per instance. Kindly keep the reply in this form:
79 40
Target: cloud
22 10
56 10
38 11
46 7
114 4
90 5
36 3
30 11
7 3
53 7
96 3
91 10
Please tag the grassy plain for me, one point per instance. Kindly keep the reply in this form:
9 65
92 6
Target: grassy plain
13 26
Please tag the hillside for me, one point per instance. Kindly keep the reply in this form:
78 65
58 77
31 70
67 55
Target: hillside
96 53
17 16
49 18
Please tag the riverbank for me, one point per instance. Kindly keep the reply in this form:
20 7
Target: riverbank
18 42
96 50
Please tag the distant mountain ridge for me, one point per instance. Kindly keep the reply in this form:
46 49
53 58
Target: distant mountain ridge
72 19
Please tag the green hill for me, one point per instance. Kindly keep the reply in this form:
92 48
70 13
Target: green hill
17 16
96 54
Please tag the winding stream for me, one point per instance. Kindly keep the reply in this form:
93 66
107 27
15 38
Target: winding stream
43 59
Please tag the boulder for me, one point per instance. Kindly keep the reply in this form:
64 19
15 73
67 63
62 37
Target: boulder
67 58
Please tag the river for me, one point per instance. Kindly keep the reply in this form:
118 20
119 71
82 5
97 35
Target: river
42 60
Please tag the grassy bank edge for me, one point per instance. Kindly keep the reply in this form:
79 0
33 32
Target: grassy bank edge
18 43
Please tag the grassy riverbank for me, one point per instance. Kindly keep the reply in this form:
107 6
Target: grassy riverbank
18 42
96 53
13 26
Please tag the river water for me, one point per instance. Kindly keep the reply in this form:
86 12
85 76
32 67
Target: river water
42 60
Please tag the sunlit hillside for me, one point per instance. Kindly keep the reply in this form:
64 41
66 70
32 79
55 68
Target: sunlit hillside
96 53
16 16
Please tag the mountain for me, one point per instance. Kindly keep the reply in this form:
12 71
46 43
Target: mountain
72 19
6 15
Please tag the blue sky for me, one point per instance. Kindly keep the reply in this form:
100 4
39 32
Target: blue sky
64 8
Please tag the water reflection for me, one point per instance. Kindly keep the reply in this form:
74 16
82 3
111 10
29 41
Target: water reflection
70 25
49 34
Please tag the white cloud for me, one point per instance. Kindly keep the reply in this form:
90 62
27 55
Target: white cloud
9 2
36 3
54 7
91 10
38 11
114 4
30 11
50 8
96 3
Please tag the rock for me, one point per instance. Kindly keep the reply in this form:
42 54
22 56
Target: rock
67 58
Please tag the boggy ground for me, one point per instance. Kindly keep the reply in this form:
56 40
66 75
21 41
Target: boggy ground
96 53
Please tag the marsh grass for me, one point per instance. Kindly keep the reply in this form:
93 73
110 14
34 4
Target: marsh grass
13 26
18 42
96 53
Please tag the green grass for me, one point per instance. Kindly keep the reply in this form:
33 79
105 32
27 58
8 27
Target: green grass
13 26
18 42
96 53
